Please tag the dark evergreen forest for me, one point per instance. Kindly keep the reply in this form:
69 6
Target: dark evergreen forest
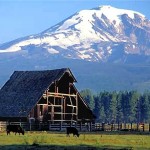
122 106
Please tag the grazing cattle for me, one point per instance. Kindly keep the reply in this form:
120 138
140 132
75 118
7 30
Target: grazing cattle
15 129
72 130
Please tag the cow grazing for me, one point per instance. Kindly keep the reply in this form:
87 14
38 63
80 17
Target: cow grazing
72 130
14 128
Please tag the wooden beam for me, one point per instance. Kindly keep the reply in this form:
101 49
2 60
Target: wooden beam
71 105
77 106
47 96
62 113
61 94
55 105
62 120
62 109
50 95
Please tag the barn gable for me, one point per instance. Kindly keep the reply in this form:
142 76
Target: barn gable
32 93
23 90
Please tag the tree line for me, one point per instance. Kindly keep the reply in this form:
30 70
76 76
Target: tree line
122 106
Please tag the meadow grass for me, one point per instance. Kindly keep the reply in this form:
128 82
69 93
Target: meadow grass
57 140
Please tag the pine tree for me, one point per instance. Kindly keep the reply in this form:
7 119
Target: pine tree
145 108
99 108
124 104
133 102
113 107
119 108
88 97
106 103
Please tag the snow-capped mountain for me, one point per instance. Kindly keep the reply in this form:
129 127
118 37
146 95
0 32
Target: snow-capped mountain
107 49
99 34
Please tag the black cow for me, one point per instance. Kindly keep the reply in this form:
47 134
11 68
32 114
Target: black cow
72 130
15 129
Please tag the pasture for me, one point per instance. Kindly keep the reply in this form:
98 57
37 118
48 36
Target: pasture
88 141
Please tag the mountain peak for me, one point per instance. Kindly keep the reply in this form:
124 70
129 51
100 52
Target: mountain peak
92 35
105 7
113 11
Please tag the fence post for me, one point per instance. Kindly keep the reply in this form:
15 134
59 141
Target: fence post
131 126
137 127
76 124
143 127
118 126
60 125
90 127
30 126
20 122
40 125
81 126
49 124
149 127
103 126
111 127
125 125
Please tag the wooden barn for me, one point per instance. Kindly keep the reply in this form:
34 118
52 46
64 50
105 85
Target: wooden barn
43 96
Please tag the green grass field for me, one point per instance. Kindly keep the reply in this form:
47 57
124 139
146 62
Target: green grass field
87 141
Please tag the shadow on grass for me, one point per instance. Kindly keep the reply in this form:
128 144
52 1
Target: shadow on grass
54 147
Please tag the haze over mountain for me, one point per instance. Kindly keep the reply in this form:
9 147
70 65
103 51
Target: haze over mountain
107 48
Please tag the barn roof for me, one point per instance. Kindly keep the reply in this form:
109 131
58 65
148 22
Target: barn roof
23 90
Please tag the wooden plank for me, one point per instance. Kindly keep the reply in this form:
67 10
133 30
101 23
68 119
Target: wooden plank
41 104
77 106
62 120
62 113
62 109
71 105
55 105
61 94
50 95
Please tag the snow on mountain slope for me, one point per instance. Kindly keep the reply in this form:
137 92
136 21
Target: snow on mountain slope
93 35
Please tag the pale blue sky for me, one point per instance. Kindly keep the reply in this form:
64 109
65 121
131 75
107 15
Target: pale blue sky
19 18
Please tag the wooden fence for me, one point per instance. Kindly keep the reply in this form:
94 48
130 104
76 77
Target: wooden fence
123 127
81 127
48 126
